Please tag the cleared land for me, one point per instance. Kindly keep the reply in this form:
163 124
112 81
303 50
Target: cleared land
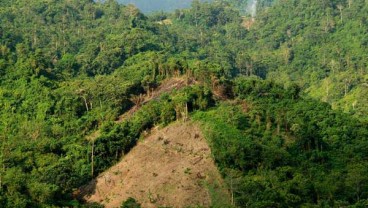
170 167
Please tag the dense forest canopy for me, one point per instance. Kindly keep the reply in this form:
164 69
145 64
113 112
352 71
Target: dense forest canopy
283 99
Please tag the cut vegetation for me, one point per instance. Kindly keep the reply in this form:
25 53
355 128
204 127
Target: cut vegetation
170 167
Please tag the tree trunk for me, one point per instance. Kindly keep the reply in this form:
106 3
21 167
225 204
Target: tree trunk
340 7
232 191
2 171
92 157
186 111
85 103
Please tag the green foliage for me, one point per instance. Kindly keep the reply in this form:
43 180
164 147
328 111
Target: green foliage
63 74
130 203
278 150
118 139
69 68
319 45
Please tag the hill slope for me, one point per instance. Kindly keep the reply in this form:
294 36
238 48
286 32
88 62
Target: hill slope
158 5
69 68
171 167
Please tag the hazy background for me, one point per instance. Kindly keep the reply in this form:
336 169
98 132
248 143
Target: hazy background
148 6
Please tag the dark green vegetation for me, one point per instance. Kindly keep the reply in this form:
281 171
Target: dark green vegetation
130 203
277 150
68 68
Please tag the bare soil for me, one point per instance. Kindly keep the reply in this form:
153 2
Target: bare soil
171 167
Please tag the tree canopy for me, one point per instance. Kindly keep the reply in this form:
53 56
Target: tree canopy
282 96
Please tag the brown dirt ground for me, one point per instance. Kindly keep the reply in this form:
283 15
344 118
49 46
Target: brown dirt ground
247 22
170 167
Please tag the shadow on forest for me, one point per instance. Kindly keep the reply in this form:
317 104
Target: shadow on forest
85 192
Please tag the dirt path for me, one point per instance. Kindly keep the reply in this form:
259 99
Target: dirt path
171 167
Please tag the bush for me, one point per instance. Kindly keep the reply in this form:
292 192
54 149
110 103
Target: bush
130 203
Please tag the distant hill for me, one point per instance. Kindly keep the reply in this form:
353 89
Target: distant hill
159 5
244 6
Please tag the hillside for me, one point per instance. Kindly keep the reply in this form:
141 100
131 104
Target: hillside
280 97
320 45
171 167
246 7
158 5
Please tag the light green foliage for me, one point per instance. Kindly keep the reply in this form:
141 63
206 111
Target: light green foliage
320 45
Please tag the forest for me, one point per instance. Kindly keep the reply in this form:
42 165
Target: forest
282 96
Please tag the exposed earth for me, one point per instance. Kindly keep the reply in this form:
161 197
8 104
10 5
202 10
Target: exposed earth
171 167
